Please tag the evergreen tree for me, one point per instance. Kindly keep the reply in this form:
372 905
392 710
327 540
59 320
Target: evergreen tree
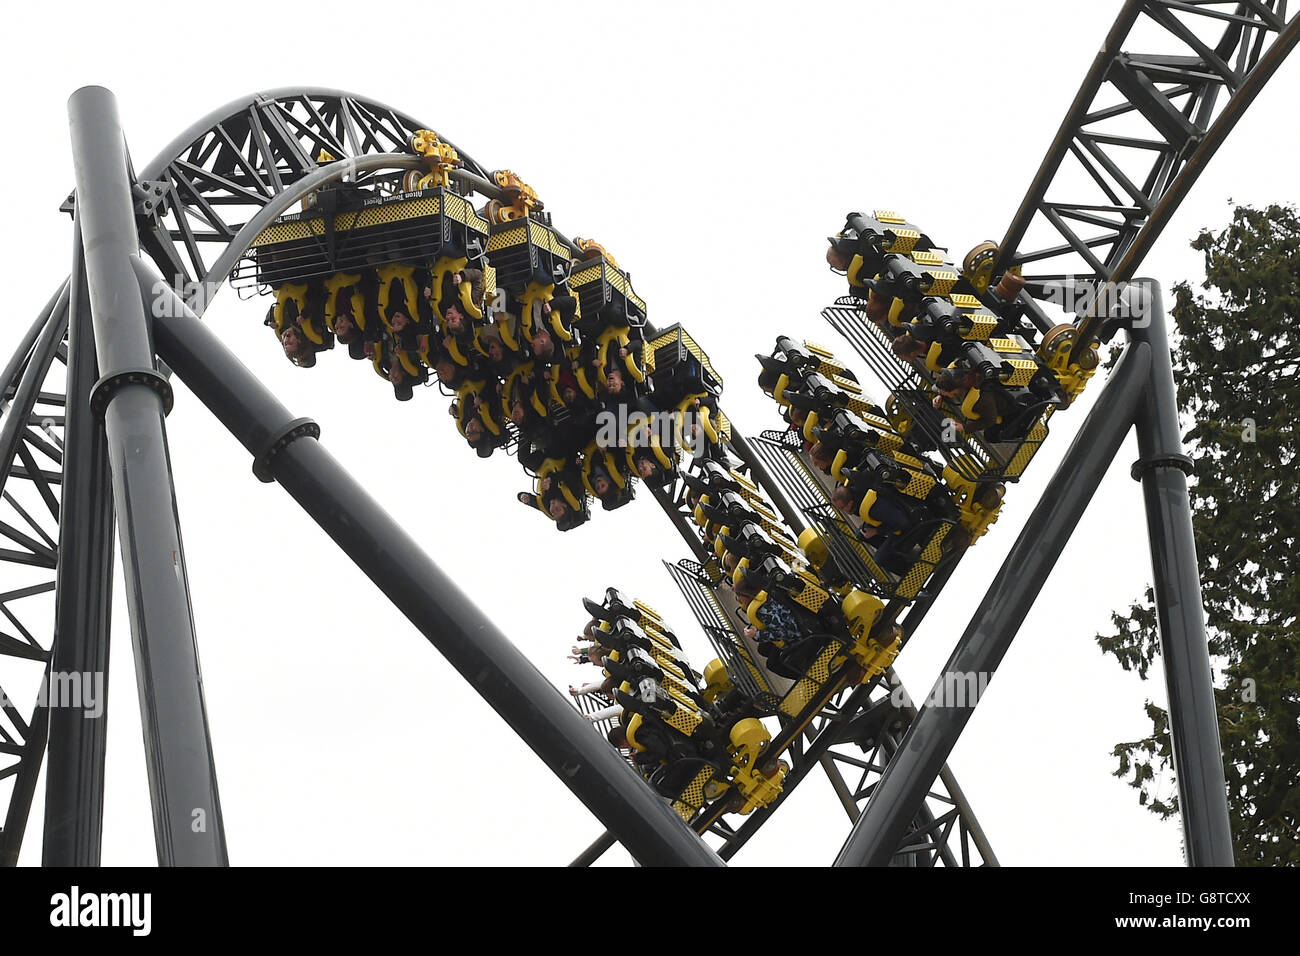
1236 359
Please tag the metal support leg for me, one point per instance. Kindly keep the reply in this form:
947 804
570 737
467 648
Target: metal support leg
841 788
286 450
18 406
182 774
924 818
934 732
1193 717
595 851
74 780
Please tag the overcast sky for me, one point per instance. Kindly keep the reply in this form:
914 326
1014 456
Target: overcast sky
710 148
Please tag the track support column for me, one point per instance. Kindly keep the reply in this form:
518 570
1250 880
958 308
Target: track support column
1184 648
74 780
133 398
932 735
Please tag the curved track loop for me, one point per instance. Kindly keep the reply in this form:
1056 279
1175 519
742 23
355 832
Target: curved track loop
222 170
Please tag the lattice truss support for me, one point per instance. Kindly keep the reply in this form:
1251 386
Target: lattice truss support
31 441
1140 131
851 741
219 180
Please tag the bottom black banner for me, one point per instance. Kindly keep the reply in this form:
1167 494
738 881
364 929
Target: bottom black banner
509 904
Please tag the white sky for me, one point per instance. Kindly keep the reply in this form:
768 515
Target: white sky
710 148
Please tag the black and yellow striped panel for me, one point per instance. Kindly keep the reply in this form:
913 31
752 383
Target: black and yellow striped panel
761 508
668 664
677 691
812 596
461 210
683 720
1028 448
747 487
694 348
1022 371
691 800
756 500
418 207
919 484
805 691
942 281
904 241
1011 345
597 269
983 325
889 442
846 384
920 572
515 235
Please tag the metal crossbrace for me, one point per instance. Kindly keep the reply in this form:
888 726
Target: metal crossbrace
217 181
855 735
940 834
1140 131
31 477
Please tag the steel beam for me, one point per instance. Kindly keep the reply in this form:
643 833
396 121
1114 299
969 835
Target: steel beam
1193 716
285 450
20 800
595 851
74 780
932 735
684 528
27 390
188 827
764 479
1060 146
36 350
22 352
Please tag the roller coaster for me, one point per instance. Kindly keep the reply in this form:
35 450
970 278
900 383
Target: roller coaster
816 548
